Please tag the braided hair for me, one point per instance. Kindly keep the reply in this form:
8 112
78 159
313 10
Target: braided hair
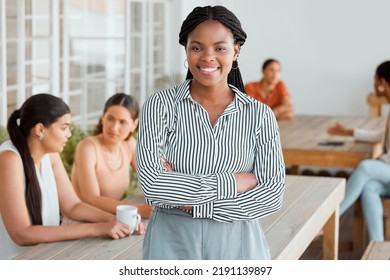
40 108
229 20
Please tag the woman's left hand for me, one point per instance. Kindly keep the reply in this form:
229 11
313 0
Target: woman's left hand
166 164
141 229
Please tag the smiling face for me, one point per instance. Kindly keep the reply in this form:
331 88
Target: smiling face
117 124
210 53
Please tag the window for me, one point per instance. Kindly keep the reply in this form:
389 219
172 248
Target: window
80 50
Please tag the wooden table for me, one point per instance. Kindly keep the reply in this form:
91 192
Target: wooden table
300 139
310 204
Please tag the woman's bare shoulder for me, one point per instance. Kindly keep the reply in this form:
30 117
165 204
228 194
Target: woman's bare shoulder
130 143
88 143
9 157
10 164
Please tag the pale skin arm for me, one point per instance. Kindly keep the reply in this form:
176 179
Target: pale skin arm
285 111
340 129
88 185
16 218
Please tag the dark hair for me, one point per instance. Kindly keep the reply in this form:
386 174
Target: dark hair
40 108
121 99
225 17
383 71
268 62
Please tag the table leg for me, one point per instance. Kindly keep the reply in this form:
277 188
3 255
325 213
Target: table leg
359 231
294 169
330 245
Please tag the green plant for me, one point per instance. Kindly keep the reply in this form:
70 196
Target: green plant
3 134
67 155
133 188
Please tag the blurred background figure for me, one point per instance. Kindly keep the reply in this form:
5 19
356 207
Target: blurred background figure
371 179
101 170
271 91
34 186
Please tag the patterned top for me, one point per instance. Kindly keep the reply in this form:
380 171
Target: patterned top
204 158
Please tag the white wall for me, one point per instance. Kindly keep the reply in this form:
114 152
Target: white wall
328 49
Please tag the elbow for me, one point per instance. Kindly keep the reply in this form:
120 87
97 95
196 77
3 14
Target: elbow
23 240
290 115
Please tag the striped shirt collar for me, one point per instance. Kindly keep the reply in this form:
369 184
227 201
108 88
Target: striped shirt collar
183 92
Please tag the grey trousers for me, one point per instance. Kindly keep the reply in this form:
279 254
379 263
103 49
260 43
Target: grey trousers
173 234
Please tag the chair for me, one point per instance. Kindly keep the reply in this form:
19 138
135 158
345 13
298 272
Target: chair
359 227
375 102
386 216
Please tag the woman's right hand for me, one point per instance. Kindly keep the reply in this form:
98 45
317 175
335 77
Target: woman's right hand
113 229
245 181
339 129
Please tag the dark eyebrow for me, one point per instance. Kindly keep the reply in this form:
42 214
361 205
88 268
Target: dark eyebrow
216 43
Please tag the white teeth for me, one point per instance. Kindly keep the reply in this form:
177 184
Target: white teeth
208 69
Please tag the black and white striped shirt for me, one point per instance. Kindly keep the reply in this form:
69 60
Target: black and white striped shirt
204 158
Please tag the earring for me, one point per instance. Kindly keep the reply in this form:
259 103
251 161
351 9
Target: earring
381 88
186 62
41 136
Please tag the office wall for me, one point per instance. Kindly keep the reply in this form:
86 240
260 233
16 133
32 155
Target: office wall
328 49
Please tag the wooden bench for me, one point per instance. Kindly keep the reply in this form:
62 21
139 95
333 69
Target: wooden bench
377 251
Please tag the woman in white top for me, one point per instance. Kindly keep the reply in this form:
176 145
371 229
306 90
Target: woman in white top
34 185
371 179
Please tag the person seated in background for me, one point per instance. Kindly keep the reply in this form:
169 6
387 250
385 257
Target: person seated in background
101 168
379 86
34 186
271 91
371 179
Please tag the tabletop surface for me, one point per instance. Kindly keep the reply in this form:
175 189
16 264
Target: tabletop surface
301 139
307 205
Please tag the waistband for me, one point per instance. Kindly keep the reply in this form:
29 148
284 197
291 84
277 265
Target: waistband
173 211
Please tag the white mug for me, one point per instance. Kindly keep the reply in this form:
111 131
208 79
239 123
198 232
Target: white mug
128 215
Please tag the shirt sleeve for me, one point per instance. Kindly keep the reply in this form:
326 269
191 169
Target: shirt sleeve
269 168
372 136
165 188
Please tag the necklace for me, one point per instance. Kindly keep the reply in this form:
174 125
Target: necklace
112 159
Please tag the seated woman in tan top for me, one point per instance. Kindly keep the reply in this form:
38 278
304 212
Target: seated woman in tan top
101 169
